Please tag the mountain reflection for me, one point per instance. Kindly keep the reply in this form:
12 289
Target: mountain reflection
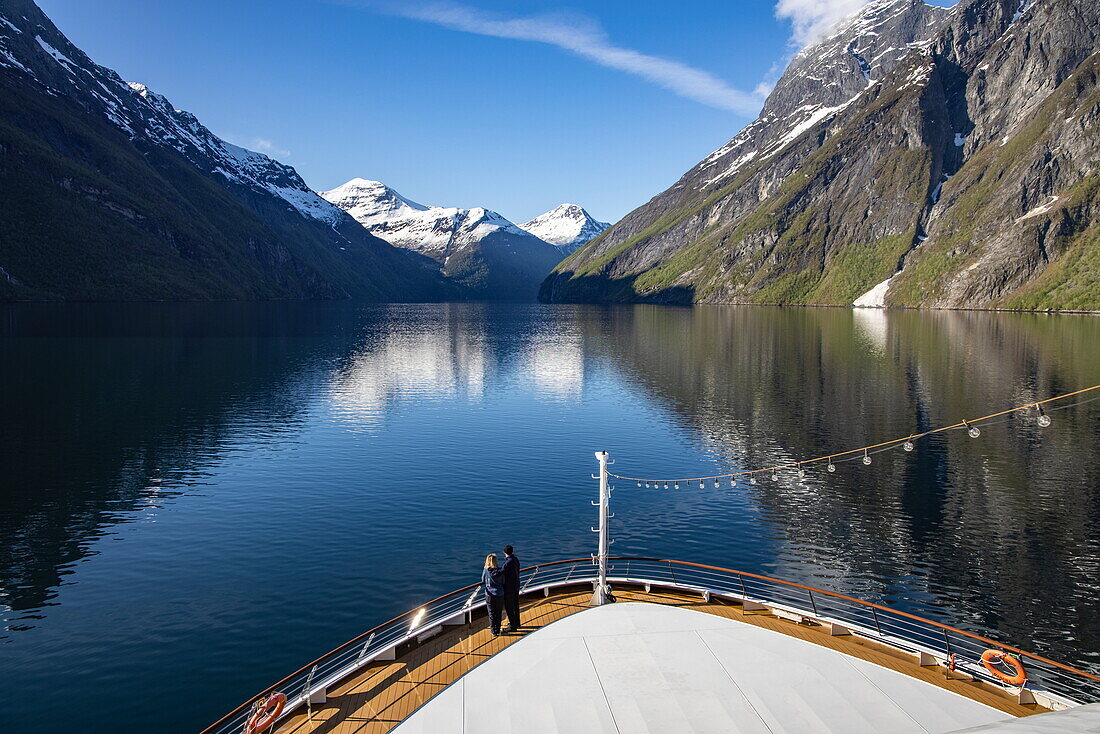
429 355
1002 532
110 410
454 351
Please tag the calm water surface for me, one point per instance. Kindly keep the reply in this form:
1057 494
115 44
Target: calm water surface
197 499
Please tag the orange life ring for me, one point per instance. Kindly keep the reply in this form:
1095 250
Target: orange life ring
264 713
992 658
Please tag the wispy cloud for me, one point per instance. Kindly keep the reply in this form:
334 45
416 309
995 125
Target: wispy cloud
812 19
584 37
266 146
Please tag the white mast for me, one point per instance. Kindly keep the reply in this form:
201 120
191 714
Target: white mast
602 594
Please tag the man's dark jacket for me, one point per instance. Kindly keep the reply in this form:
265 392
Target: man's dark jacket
511 574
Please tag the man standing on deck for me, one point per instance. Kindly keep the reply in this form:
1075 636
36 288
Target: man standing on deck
511 588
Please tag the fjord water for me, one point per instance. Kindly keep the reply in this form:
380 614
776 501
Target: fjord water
198 499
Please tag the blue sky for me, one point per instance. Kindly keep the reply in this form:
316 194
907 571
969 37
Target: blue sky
515 106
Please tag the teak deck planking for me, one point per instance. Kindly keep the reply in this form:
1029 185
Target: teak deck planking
381 696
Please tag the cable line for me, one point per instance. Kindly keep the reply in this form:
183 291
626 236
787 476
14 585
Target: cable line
971 425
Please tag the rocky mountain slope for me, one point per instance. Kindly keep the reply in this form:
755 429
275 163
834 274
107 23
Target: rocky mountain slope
478 249
918 156
566 226
110 193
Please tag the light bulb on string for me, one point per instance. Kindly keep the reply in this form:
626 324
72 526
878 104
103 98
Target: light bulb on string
866 458
676 485
701 484
1043 419
908 445
666 485
752 479
775 477
733 481
831 467
639 484
972 431
801 472
716 482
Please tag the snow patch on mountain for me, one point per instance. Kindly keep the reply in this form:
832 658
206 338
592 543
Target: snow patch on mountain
59 57
876 297
1039 210
566 226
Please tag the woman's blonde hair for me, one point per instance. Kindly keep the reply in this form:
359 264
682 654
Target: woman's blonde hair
491 560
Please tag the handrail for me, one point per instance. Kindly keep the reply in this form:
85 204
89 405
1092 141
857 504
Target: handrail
710 577
879 607
355 640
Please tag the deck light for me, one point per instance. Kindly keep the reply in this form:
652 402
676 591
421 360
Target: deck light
866 458
1044 419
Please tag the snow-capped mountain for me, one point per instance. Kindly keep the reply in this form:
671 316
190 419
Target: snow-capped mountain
477 247
435 231
181 212
567 226
915 156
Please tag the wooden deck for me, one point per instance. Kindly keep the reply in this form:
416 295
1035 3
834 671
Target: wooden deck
384 694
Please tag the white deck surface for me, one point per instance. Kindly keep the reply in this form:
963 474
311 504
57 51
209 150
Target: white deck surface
632 668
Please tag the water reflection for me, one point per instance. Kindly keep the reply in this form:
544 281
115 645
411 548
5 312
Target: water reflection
362 456
110 411
428 355
555 364
999 532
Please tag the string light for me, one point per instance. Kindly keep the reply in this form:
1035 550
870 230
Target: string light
908 444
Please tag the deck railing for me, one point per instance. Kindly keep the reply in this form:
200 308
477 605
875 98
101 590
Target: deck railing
1050 683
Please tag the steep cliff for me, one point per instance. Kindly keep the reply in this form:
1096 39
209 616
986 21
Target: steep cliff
111 193
918 156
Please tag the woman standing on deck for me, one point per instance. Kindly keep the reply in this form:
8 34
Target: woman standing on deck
493 579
